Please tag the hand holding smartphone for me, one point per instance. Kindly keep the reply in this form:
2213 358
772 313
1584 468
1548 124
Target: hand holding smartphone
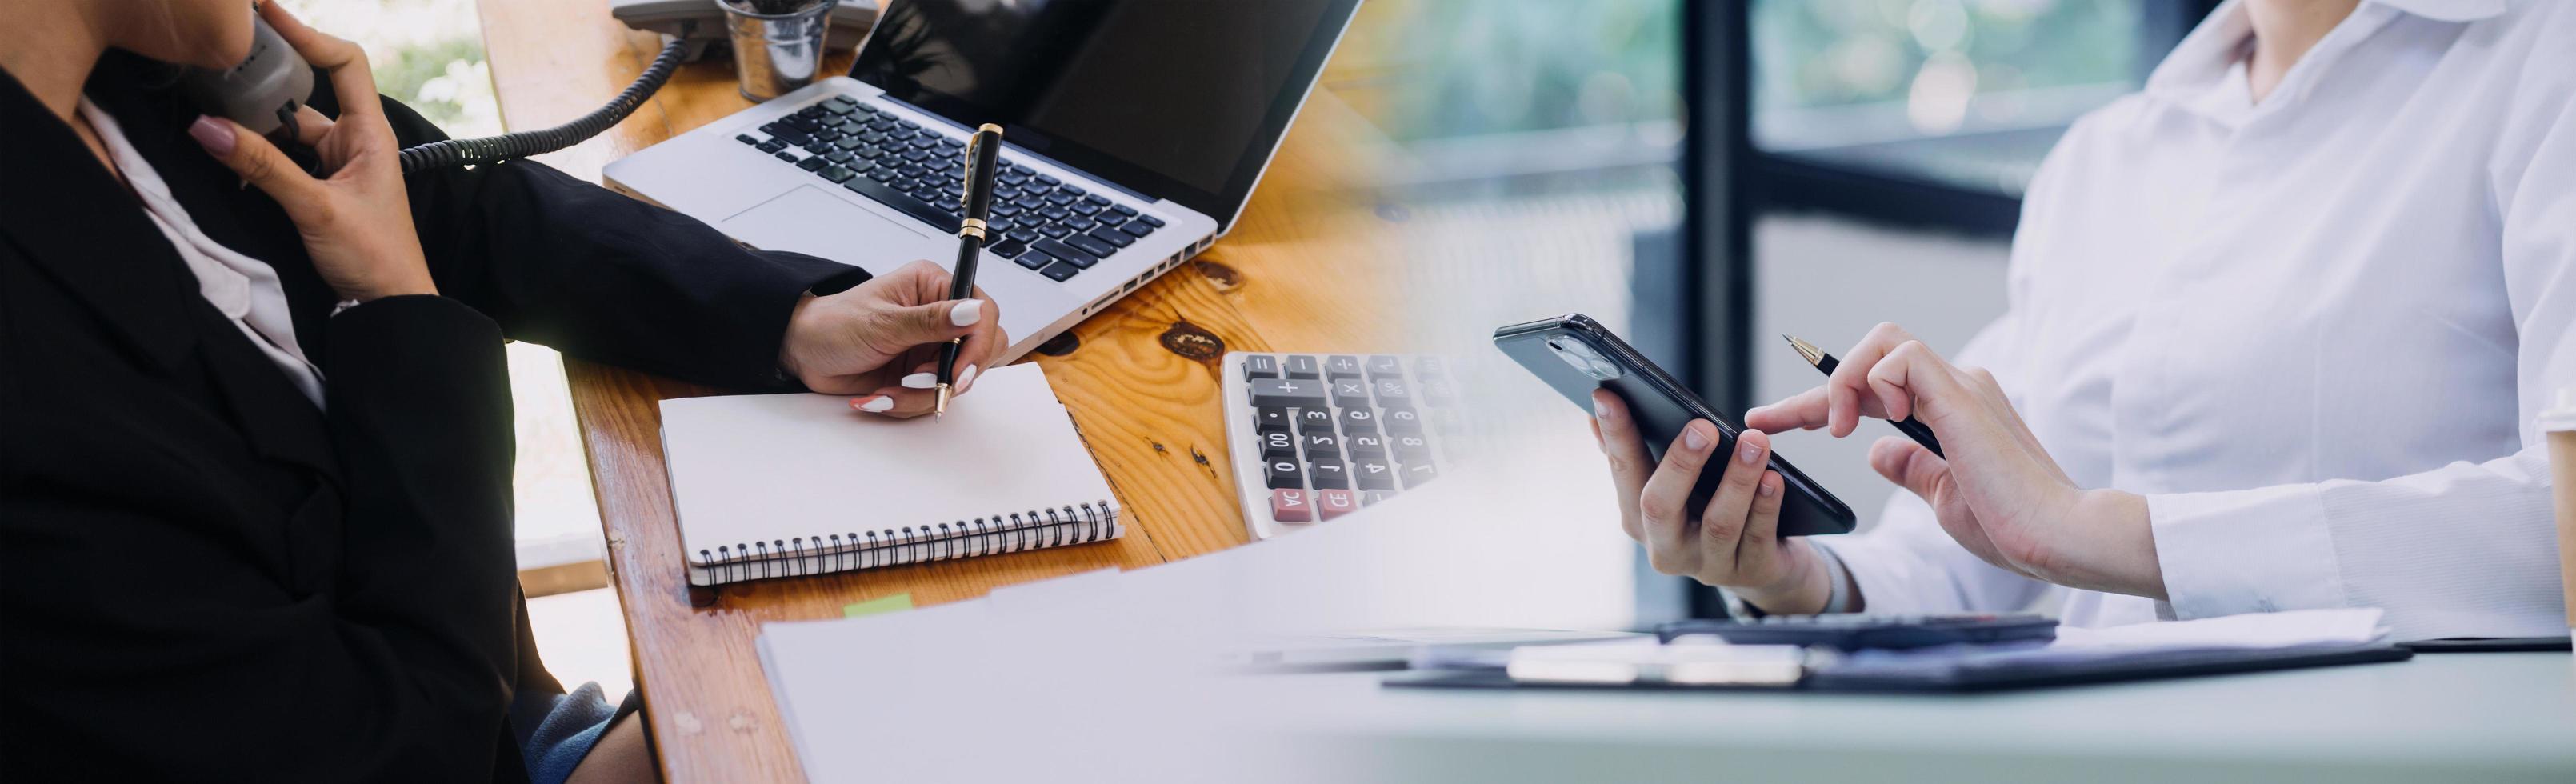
1575 355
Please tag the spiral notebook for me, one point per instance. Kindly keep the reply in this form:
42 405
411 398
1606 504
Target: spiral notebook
786 485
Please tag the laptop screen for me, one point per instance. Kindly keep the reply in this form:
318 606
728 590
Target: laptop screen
1179 99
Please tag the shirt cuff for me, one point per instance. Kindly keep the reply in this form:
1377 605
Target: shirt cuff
2240 551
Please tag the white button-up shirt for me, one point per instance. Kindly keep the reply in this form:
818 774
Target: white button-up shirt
2313 331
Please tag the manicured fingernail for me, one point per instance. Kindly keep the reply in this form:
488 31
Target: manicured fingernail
1765 489
211 134
920 381
874 404
1691 438
966 313
967 375
1748 454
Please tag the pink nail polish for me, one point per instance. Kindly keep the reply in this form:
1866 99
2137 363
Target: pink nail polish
213 135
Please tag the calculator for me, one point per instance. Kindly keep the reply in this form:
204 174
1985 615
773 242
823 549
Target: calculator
1314 437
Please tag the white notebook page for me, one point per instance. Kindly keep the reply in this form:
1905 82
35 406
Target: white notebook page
764 468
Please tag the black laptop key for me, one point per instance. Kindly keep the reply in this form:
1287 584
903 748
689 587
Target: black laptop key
1009 248
817 145
772 145
1097 200
952 144
1050 180
866 109
1305 393
1151 220
1136 227
1033 259
1115 238
889 196
1060 272
1328 473
1007 209
847 142
997 225
1283 474
909 125
837 173
926 142
881 174
1069 253
1079 223
1074 189
1055 213
1303 366
916 156
1056 230
780 131
1110 219
1260 366
1093 246
786 156
1084 208
1024 234
1061 198
1023 170
745 138
1123 210
842 157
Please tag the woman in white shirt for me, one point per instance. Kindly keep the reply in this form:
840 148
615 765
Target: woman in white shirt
2278 326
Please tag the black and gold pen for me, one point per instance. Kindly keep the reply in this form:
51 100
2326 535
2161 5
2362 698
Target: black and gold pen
1826 362
983 152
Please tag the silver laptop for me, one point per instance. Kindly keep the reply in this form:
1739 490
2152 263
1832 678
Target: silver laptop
1134 132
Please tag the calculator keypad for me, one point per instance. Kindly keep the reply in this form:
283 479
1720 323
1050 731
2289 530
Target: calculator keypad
1339 432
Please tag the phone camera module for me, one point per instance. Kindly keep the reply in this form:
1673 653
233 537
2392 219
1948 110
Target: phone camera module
1583 357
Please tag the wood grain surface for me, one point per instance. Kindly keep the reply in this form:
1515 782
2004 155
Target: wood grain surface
1301 271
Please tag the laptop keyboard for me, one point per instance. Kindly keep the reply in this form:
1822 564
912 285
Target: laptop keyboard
1050 226
1318 436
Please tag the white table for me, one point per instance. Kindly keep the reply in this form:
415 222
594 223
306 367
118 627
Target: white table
2440 718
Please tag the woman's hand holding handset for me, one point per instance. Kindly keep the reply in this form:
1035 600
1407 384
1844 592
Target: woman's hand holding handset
356 218
1735 543
1998 492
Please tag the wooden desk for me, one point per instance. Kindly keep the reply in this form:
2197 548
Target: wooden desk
1299 272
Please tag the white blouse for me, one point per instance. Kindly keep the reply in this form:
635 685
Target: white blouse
244 289
2313 331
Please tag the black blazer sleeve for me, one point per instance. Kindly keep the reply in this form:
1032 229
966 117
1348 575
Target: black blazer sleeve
602 276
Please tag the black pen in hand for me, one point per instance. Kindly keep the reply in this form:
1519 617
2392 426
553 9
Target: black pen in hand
1826 362
983 150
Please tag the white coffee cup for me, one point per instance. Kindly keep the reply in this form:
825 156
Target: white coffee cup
2558 425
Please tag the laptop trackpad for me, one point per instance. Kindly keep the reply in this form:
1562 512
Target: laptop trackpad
809 221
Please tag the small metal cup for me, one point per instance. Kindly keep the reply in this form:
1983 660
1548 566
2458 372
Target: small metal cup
774 54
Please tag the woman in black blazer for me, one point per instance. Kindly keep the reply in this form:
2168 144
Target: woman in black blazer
223 562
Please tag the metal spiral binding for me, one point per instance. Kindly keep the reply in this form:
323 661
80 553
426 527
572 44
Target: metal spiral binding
799 556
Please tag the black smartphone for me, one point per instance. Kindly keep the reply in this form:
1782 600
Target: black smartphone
1576 355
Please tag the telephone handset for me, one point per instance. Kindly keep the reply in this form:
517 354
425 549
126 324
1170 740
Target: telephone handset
264 91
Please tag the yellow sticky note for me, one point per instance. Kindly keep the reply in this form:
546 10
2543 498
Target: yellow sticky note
878 606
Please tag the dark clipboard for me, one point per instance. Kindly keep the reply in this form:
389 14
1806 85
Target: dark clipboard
1975 672
2487 645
